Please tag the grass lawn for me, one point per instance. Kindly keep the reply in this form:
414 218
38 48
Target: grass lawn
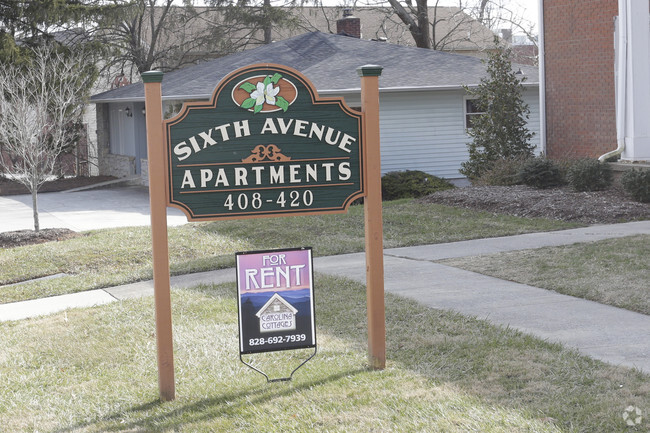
93 370
613 271
106 258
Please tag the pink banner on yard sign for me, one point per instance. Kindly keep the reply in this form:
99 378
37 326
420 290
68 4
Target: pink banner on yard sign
274 271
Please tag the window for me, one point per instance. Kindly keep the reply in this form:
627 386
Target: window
471 111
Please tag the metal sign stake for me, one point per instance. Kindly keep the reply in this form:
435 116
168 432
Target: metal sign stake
280 379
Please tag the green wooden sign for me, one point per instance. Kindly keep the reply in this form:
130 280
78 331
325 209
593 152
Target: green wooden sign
265 145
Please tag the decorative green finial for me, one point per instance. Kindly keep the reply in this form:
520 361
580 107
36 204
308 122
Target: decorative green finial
152 77
369 71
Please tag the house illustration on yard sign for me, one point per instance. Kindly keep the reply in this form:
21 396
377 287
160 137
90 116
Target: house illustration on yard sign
277 315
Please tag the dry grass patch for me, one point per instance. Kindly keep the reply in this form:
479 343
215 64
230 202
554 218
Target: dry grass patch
612 272
94 370
105 258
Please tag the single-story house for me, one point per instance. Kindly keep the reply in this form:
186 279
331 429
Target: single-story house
423 106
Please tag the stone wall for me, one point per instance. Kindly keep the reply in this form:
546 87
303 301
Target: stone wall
90 120
118 165
144 172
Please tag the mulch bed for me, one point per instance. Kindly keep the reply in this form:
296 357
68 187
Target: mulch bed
595 207
28 237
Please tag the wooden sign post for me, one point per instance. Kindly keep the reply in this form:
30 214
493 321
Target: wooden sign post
373 218
265 145
157 200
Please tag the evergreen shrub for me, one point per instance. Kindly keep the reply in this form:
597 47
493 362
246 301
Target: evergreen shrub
411 183
541 173
637 184
501 131
589 175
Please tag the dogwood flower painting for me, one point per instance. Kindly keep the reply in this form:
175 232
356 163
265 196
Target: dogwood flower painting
264 92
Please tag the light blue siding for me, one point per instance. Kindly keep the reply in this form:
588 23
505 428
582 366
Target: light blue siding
426 130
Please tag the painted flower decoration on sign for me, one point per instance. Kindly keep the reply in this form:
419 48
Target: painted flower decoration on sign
264 92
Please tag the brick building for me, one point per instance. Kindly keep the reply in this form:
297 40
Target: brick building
592 48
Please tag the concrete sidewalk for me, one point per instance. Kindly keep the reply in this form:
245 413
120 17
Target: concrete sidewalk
607 333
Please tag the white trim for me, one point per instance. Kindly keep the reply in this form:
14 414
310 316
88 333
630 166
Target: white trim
412 89
465 113
355 90
141 99
542 81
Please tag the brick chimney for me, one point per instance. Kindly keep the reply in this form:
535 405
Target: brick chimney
349 25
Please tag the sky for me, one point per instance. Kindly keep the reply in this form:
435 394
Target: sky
529 9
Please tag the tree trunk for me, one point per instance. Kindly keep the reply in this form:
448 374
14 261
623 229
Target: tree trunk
423 39
481 14
37 226
268 38
419 29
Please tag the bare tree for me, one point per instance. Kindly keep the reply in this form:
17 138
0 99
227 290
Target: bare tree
430 24
141 35
416 18
40 104
434 26
438 27
168 35
501 14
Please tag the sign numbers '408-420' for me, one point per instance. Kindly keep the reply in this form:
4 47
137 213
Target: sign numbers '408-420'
255 200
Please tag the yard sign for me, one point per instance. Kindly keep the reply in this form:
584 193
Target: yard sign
265 145
276 300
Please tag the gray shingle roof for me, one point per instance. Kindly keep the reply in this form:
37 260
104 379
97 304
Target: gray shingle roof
330 62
